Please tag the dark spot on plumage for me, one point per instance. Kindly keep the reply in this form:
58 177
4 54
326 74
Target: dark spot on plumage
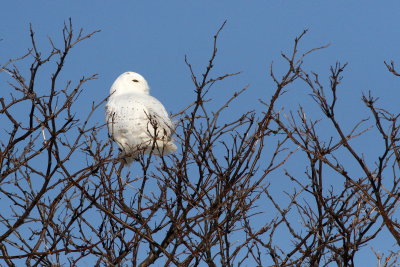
134 80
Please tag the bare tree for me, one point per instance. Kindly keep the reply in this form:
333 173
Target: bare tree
213 201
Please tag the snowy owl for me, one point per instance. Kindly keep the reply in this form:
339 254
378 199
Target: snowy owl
136 121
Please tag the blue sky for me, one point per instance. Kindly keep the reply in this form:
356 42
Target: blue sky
152 38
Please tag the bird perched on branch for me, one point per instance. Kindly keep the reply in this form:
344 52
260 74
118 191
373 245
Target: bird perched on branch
136 121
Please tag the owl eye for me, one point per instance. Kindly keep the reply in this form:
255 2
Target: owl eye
134 80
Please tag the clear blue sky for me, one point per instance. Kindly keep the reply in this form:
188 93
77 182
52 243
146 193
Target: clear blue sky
152 38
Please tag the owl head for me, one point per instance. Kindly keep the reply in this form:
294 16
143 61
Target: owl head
129 82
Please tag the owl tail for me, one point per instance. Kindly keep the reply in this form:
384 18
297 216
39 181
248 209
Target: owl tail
161 148
127 160
168 148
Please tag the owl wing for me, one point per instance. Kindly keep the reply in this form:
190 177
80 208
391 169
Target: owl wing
156 110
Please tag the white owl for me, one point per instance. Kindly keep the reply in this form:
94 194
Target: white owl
136 121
